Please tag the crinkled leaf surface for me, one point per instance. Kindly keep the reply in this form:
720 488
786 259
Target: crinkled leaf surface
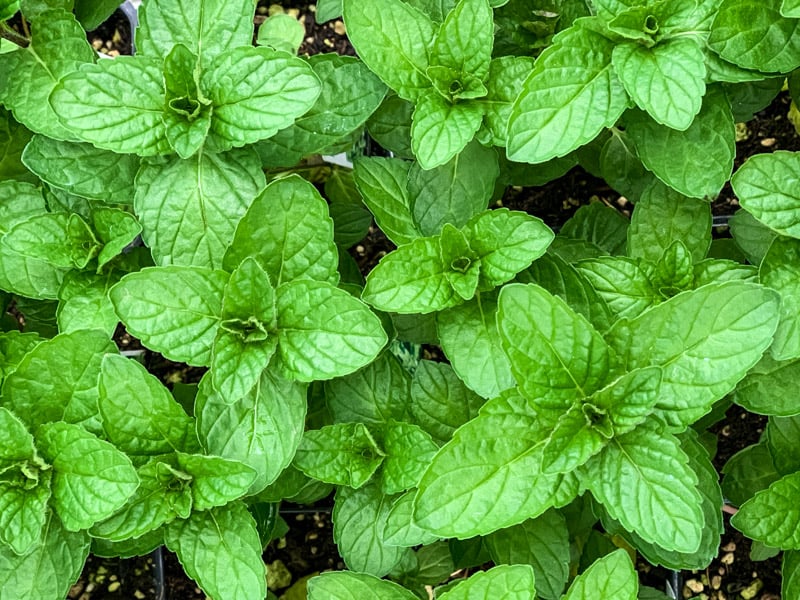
622 283
441 129
400 529
752 236
612 576
760 184
464 40
768 388
506 582
782 435
772 515
216 481
780 270
347 585
61 240
600 225
408 450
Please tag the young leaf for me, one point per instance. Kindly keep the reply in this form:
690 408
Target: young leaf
780 270
173 310
392 38
464 40
342 454
20 201
573 76
772 515
622 283
400 529
62 240
215 481
503 85
282 32
600 225
91 478
345 585
14 345
760 185
408 450
767 388
509 582
612 576
324 332
441 129
220 549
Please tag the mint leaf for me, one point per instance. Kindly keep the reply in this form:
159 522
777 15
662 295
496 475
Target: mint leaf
282 32
759 184
140 416
600 225
261 429
747 472
705 340
116 229
612 576
344 585
220 549
408 450
580 433
400 529
625 287
287 227
510 582
767 388
189 209
28 277
780 271
84 303
215 481
19 202
542 543
359 518
57 380
187 112
782 435
772 515
62 240
643 480
392 38
629 399
503 85
573 76
557 357
441 129
14 345
342 454
464 40
91 478
324 332
667 80
82 169
752 236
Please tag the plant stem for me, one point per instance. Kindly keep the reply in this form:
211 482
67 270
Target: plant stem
731 510
12 36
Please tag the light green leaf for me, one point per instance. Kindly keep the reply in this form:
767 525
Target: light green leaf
574 76
709 139
780 270
612 577
790 9
220 549
115 104
282 32
580 433
342 454
57 380
630 399
667 80
346 585
14 345
768 388
556 356
790 571
62 240
173 310
359 518
393 39
663 216
82 169
256 92
542 543
324 332
621 167
440 129
760 184
782 435
261 429
58 47
189 209
18 202
408 450
287 227
705 340
116 229
504 582
140 416
464 40
382 183
622 283
600 225
400 529
772 516
207 28
503 85
752 236
50 569
390 126
187 112
216 481
747 472
91 478
643 479
754 35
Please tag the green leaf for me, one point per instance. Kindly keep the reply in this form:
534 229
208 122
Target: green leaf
342 454
503 85
173 310
116 105
50 569
393 39
359 518
346 585
625 287
189 209
187 112
58 47
14 345
667 80
760 185
57 380
780 270
256 92
261 429
411 279
373 395
464 40
287 227
13 138
400 529
643 479
542 543
140 416
116 229
408 450
573 76
772 515
621 167
91 478
324 332
557 357
460 262
782 435
62 240
441 129
92 14
8 9
612 576
747 472
84 303
509 582
709 139
767 388
790 571
216 481
206 28
705 340
390 125
663 216
600 225
754 35
454 192
752 236
790 9
282 32
82 169
220 549
497 454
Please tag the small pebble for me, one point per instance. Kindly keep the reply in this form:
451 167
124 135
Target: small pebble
338 27
768 142
728 559
114 586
